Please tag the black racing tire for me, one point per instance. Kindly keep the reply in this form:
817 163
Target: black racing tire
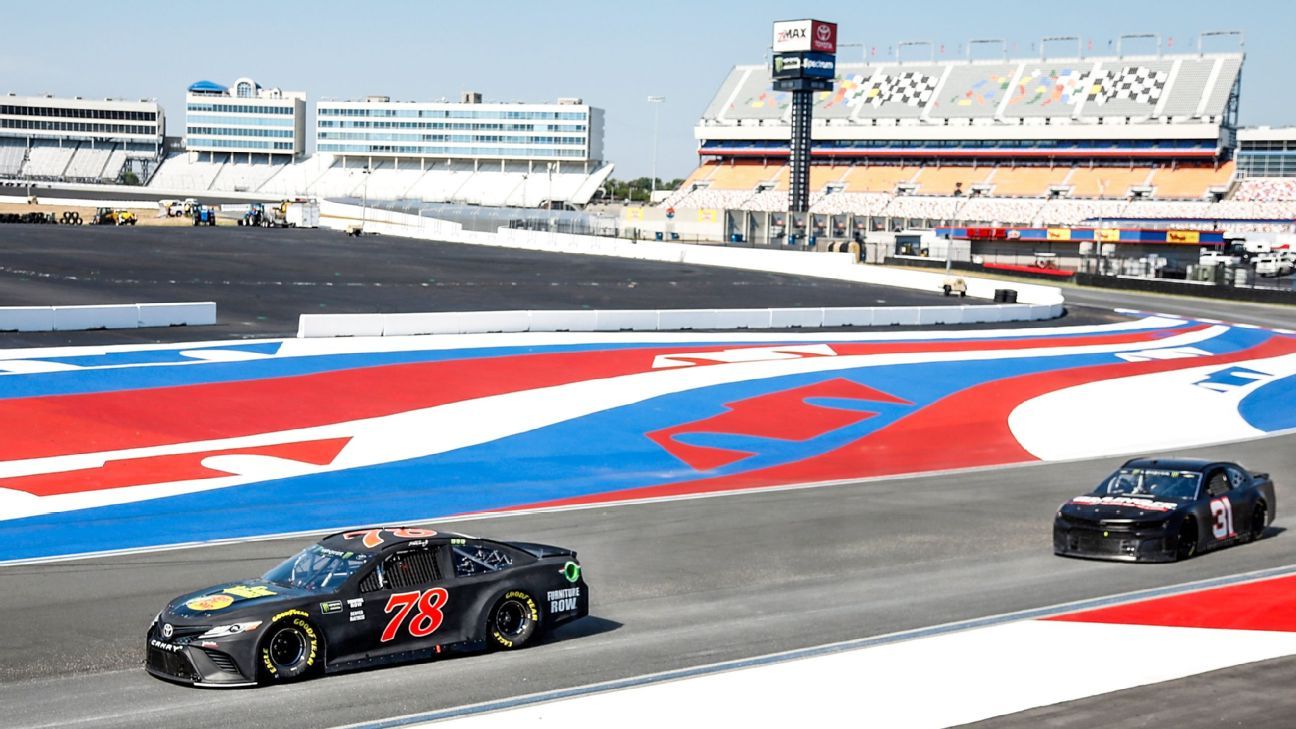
946 289
1259 517
290 648
1187 546
513 621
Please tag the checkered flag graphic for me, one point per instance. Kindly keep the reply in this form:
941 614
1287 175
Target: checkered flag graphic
911 89
1139 84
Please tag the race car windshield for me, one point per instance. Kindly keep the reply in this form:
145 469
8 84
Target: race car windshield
1170 485
317 568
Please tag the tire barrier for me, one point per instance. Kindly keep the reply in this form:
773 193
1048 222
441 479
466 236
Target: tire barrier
69 217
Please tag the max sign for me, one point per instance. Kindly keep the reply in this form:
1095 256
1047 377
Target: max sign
791 36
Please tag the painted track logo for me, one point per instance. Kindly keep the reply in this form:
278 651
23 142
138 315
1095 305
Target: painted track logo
164 446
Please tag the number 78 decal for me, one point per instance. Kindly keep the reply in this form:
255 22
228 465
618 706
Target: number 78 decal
426 620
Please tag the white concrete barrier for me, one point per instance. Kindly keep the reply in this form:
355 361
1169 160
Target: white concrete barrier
340 325
193 313
680 319
95 316
612 320
616 320
26 318
847 316
742 318
564 321
788 318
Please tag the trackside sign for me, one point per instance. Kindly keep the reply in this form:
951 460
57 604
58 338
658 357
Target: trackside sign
792 36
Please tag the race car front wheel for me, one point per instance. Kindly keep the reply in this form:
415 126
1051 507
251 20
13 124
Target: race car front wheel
289 649
1187 540
514 620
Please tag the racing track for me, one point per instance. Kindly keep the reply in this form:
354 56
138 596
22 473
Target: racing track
676 583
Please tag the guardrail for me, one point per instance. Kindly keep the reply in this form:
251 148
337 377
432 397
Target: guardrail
614 320
106 316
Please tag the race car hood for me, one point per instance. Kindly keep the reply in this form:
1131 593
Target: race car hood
1119 507
232 599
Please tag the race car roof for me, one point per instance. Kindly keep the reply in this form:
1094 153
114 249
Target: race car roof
375 539
1171 464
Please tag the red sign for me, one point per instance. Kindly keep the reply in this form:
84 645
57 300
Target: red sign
823 36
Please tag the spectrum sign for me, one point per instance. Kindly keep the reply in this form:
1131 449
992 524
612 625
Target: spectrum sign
804 65
797 36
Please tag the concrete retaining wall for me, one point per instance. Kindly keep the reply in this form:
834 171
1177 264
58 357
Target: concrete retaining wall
612 320
107 316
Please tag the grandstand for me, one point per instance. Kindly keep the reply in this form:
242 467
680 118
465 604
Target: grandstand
468 152
44 138
1030 141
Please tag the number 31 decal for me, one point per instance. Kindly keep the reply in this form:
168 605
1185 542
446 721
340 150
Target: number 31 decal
426 620
1222 510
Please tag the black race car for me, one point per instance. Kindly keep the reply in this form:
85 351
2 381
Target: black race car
366 597
1164 509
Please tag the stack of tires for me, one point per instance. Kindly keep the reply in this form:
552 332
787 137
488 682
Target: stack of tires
70 217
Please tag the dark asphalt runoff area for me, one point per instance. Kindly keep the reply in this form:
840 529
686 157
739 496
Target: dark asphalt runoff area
673 584
263 279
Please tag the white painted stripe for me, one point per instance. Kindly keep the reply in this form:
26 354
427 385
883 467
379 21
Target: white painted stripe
1152 412
940 681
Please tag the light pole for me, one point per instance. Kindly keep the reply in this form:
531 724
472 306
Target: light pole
656 101
364 207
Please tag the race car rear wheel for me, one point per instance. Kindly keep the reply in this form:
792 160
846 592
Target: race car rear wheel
290 648
1187 548
514 620
1258 517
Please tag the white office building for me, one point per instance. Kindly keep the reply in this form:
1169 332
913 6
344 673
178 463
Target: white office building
244 122
564 136
76 139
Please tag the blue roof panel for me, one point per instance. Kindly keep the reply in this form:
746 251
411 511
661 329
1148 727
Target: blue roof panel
208 86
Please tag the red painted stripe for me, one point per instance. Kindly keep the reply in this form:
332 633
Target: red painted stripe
107 421
964 430
165 469
1265 605
783 415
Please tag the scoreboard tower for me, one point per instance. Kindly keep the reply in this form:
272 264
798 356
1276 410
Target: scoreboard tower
805 62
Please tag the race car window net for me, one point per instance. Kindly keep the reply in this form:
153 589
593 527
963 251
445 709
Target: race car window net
1177 485
404 570
317 568
476 559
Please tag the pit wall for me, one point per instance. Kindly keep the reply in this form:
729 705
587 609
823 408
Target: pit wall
1034 301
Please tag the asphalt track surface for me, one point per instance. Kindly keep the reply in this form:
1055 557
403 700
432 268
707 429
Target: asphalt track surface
263 279
673 584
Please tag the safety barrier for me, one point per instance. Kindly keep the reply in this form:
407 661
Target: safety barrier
613 320
106 316
1045 302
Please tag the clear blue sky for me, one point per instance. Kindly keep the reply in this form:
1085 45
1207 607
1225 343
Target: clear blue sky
613 54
